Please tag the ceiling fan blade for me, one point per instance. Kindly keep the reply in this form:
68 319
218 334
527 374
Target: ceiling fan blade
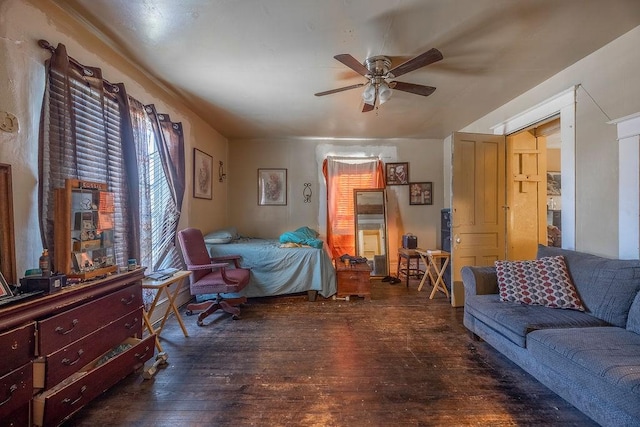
352 63
367 107
429 57
329 92
412 88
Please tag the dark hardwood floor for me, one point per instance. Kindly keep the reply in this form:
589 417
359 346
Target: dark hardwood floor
398 360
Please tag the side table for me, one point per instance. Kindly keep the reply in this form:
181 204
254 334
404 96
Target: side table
163 288
409 255
353 279
436 261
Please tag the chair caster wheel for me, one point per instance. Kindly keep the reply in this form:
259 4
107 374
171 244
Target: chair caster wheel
200 323
235 316
188 312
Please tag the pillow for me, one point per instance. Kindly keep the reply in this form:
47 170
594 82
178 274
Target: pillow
224 235
544 281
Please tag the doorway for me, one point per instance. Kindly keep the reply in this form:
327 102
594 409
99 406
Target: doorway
533 196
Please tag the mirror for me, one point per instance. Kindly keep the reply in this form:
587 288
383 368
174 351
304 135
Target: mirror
371 229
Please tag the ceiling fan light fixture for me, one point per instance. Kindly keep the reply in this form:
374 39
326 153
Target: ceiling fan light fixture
369 94
384 92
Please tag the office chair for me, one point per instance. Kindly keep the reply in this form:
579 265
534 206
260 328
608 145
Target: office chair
211 276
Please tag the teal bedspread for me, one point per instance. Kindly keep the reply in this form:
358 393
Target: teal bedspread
277 270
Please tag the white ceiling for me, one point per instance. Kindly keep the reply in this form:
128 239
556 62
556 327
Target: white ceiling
251 67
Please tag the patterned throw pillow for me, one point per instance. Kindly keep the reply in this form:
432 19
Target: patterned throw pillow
544 281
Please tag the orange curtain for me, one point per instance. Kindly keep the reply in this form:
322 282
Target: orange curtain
342 176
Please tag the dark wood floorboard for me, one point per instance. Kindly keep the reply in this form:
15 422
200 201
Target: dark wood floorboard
398 360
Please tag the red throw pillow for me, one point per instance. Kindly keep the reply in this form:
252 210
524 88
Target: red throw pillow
544 281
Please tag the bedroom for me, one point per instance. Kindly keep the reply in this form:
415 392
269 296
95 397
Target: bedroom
614 87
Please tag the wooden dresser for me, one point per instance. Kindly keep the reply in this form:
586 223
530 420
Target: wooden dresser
62 350
353 279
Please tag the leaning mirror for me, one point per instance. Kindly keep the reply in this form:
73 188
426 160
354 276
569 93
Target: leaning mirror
370 229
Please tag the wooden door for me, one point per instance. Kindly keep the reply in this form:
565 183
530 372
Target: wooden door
477 204
526 195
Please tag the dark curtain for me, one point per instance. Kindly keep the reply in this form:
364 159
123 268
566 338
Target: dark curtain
171 146
83 146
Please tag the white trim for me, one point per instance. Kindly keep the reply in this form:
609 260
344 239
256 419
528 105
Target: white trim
628 186
564 104
535 114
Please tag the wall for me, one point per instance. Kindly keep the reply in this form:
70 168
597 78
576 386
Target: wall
303 160
22 24
609 89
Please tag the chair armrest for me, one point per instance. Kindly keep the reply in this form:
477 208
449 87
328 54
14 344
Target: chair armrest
207 266
228 258
479 280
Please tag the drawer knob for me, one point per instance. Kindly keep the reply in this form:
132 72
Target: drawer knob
129 301
132 325
143 355
69 362
12 389
73 402
62 331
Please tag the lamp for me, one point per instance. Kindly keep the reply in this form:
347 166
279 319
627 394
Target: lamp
369 94
384 92
221 175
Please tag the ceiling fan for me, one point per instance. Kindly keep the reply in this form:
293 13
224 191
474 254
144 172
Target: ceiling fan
381 77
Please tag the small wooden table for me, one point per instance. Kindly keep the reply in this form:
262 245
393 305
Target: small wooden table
408 255
163 287
433 260
353 279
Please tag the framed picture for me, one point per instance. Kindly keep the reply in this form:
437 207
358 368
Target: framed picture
5 290
272 187
421 193
202 175
554 184
397 173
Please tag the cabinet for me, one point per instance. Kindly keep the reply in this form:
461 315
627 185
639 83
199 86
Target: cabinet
353 279
83 230
62 350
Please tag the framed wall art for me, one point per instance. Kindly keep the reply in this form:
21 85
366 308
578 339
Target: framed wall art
421 193
272 187
202 175
397 173
5 290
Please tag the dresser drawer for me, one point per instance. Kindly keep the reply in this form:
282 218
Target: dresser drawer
16 389
52 369
16 347
65 328
53 406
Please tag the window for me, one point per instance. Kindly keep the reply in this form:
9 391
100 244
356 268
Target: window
343 175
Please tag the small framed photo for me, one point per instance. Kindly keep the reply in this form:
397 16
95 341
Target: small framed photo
202 175
397 173
272 187
421 193
5 290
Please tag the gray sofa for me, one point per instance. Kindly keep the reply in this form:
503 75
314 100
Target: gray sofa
591 358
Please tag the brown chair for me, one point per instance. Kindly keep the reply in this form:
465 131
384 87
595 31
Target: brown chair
211 276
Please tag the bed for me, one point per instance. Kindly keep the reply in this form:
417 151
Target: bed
279 268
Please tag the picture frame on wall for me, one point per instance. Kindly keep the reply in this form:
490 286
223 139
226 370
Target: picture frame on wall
397 173
5 290
272 187
202 175
421 193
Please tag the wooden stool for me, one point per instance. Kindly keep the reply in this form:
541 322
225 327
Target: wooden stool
407 255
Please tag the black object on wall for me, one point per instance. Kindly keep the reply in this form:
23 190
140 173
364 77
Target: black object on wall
445 241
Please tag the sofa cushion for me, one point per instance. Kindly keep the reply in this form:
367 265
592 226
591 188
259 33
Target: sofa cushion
514 320
609 354
633 321
543 281
606 287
